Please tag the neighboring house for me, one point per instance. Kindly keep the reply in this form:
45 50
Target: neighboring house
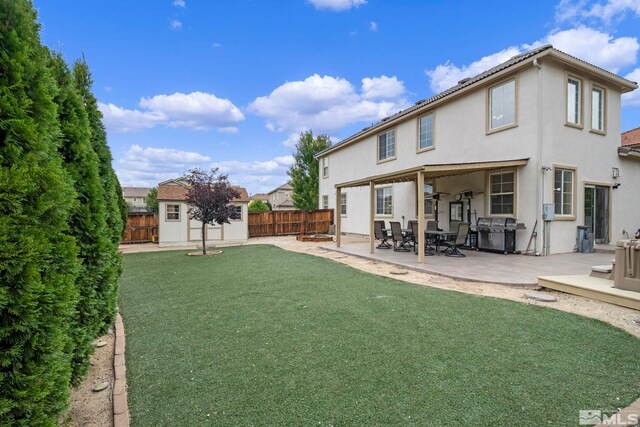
631 139
281 198
538 132
136 198
260 196
176 228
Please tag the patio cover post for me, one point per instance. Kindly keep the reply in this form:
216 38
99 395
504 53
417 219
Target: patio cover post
420 203
372 206
338 217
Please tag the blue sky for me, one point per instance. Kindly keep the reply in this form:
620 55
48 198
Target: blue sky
200 83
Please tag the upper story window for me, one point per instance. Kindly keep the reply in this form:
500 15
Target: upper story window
325 167
563 191
501 193
343 204
325 202
574 101
384 201
425 132
173 213
387 145
598 114
502 105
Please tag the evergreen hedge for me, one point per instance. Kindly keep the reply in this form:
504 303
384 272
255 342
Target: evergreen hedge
61 219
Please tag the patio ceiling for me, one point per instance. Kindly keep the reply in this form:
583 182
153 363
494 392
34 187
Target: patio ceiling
433 171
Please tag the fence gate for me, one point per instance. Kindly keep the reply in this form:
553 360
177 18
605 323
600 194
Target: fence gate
141 227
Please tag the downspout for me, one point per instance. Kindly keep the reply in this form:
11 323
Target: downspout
539 168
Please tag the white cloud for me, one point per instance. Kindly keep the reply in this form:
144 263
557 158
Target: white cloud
373 26
632 99
608 11
325 104
216 45
196 110
179 3
586 43
382 87
448 75
148 166
175 25
118 119
337 5
257 176
291 140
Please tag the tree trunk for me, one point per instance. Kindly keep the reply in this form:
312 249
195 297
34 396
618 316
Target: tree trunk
204 247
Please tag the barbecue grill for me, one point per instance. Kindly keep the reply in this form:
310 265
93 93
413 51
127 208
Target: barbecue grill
497 234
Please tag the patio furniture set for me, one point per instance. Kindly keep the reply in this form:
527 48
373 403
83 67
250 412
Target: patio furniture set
402 240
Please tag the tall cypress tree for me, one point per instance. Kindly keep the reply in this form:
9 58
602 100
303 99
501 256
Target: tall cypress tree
38 262
304 171
116 208
88 224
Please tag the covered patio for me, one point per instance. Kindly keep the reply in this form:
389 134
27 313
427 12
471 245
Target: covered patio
521 270
419 175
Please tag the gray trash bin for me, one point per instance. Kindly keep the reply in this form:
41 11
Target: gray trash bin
585 240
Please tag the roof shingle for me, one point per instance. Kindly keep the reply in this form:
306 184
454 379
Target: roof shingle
631 138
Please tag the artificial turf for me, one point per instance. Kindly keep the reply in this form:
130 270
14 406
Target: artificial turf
261 336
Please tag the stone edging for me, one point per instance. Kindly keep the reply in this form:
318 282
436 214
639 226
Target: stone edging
120 406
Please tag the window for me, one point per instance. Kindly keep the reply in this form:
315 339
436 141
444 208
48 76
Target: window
384 201
238 210
502 105
387 145
325 202
135 199
343 204
325 167
597 109
173 213
425 132
501 193
144 200
428 201
563 191
574 96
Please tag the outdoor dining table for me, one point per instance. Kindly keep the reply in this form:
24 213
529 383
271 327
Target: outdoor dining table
440 236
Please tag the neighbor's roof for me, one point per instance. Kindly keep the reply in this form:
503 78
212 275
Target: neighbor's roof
284 187
260 196
176 190
288 203
631 138
471 83
135 191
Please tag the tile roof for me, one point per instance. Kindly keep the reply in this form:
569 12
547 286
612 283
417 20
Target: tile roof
178 192
135 191
461 85
260 196
285 187
631 138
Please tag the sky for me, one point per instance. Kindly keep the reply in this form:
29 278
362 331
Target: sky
232 83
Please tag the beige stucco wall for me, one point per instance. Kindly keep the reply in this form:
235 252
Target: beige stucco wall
460 136
188 231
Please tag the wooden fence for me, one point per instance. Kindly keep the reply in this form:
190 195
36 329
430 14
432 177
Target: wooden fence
141 226
280 223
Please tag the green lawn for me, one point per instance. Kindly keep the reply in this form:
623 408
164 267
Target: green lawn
261 336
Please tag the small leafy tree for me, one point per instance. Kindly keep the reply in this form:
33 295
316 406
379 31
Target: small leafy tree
208 198
304 171
258 206
152 200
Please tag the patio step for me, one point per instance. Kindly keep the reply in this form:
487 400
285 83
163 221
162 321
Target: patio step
604 249
592 287
602 271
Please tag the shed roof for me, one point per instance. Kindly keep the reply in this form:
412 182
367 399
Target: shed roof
177 190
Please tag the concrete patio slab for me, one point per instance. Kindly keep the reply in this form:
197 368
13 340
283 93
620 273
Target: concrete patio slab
522 270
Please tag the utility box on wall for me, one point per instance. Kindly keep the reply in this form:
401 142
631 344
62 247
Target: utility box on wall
548 212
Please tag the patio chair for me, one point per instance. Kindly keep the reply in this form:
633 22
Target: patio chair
461 238
431 226
453 226
412 236
381 235
428 250
399 240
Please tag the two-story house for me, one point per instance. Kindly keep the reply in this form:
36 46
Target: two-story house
536 134
281 198
136 198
